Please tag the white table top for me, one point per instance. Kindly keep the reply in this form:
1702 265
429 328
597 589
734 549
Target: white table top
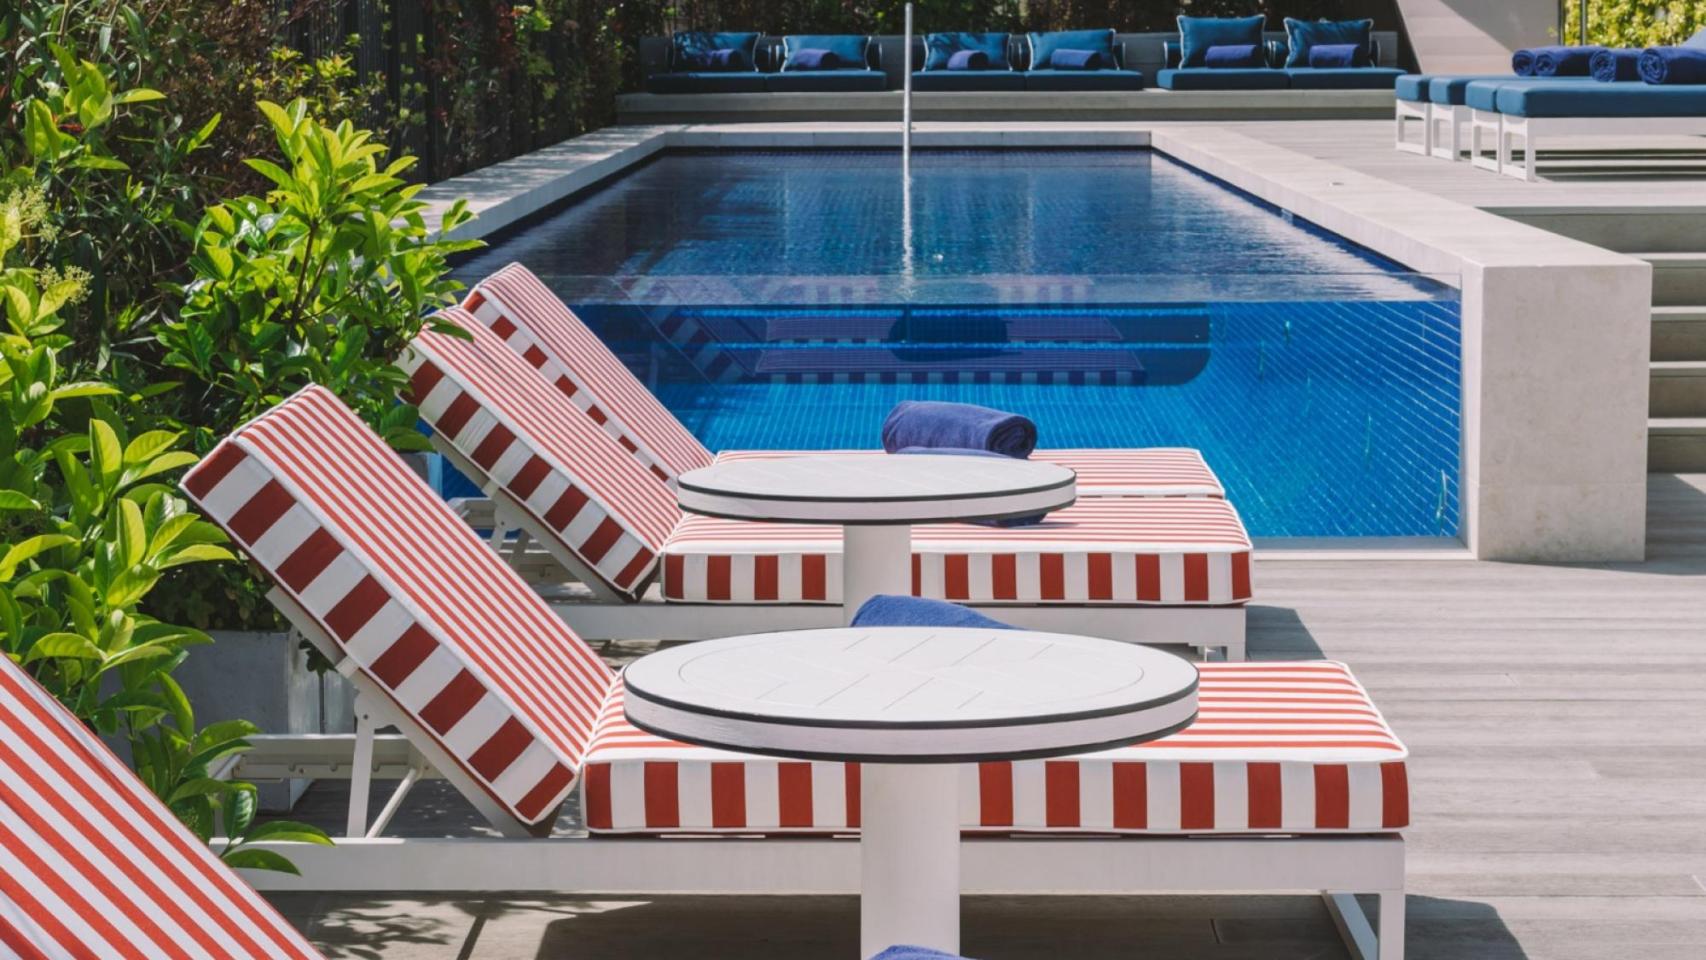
911 694
876 488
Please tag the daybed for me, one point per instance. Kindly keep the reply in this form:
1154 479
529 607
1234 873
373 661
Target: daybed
1026 63
761 64
1274 65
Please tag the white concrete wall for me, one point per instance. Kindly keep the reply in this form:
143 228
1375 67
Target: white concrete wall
1475 36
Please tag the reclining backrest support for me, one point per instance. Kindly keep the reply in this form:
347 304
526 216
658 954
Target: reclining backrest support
370 564
92 865
523 312
604 516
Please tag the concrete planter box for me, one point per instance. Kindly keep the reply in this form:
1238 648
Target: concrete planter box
263 677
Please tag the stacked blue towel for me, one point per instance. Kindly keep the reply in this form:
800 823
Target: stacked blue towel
893 610
1616 65
1564 61
965 426
1673 65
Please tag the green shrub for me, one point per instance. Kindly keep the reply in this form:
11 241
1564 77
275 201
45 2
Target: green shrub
1635 23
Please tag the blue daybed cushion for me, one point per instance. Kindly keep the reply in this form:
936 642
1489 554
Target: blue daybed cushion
1484 94
691 50
1343 78
1197 34
826 81
961 80
1564 61
1673 65
1043 45
1202 78
848 50
1615 65
1601 100
894 610
938 47
1452 91
1302 34
1412 87
1337 56
1064 58
709 81
1232 56
1082 80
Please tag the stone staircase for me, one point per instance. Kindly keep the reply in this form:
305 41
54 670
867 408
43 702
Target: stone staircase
1677 424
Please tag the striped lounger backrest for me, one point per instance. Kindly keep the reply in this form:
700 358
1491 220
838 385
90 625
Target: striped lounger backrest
598 504
417 609
93 866
523 312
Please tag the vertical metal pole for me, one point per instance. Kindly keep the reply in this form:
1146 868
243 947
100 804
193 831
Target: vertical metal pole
906 95
1582 26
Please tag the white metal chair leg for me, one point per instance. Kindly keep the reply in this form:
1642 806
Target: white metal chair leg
361 771
1359 934
1392 926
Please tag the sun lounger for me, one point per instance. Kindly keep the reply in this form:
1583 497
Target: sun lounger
520 309
1155 569
1291 781
1533 111
93 865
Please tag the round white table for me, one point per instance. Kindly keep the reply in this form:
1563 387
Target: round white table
911 704
875 499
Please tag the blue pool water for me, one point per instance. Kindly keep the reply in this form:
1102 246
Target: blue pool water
789 299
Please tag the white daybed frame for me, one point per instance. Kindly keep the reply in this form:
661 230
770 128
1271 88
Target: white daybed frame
1420 111
606 616
1337 867
1506 130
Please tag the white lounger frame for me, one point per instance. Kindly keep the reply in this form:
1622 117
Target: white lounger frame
606 616
1420 111
1506 130
1336 867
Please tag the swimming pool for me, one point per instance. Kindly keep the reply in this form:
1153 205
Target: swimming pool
789 299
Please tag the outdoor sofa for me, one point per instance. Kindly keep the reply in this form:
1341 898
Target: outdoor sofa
764 64
1272 64
1289 780
1014 63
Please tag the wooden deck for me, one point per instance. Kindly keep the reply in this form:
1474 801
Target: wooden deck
1557 719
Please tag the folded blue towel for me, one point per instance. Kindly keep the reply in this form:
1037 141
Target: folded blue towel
1609 66
1069 59
968 60
932 423
1522 63
813 58
894 610
1233 56
1564 61
1673 65
1329 56
905 952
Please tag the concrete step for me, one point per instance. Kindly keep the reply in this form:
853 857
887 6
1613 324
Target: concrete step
1678 389
1679 333
1676 444
1679 279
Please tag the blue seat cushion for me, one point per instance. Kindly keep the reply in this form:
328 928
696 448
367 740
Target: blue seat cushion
1451 91
839 81
1483 94
1343 78
688 47
929 81
1043 45
1083 79
1197 34
706 82
1412 86
849 49
938 47
1204 78
1592 99
1300 35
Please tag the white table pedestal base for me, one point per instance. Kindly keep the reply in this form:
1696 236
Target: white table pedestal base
874 559
909 854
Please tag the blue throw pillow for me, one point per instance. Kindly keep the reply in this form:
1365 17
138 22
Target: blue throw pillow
1043 45
811 58
1066 59
1233 56
1303 34
938 47
968 60
1335 56
692 50
1197 34
849 49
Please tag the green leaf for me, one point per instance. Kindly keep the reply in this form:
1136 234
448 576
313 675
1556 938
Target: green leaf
132 534
138 95
91 161
149 445
252 859
63 645
106 456
86 388
197 553
288 831
13 500
271 171
29 549
199 787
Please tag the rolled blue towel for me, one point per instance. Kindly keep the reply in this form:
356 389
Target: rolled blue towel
1066 58
894 610
1522 63
1330 56
1620 65
813 58
1673 65
905 952
968 60
1233 56
966 426
1564 61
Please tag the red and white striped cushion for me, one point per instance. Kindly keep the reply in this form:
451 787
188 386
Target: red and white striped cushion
417 603
1131 550
522 311
1131 472
93 866
482 398
1276 748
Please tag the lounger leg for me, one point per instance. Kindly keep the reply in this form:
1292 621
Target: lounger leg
361 771
1392 926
